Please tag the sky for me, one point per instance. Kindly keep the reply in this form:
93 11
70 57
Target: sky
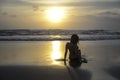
60 14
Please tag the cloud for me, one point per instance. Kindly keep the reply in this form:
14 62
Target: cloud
0 9
63 2
12 16
109 13
35 7
108 19
7 1
1 1
74 3
12 2
3 13
7 14
100 19
114 13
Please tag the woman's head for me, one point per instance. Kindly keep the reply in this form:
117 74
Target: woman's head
74 39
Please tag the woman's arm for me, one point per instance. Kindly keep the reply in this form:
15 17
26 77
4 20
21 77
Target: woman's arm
66 50
65 54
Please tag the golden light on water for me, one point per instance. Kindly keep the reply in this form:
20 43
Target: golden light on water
56 53
55 14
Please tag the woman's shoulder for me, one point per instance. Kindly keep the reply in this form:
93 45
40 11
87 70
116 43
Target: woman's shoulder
68 44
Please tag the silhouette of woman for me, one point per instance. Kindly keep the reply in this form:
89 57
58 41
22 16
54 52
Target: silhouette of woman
75 58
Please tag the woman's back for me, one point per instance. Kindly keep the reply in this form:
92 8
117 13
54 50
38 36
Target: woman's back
74 51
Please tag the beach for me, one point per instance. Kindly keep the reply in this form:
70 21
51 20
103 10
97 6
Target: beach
34 33
35 60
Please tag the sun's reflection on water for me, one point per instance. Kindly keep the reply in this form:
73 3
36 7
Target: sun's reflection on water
56 53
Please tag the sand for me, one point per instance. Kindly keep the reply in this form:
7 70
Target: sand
42 73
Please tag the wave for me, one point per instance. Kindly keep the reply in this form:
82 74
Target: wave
47 35
56 32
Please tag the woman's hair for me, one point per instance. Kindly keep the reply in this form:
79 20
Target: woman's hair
74 39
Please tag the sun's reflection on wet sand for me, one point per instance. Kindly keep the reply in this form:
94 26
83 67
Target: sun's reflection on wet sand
56 53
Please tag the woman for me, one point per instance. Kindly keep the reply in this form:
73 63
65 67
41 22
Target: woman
75 53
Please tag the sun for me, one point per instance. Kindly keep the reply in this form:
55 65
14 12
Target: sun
55 14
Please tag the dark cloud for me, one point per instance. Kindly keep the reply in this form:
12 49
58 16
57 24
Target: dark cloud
110 13
86 3
13 16
70 3
7 14
106 21
0 9
1 1
12 2
3 13
35 7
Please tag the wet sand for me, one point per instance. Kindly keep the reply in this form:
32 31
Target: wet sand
42 73
103 61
